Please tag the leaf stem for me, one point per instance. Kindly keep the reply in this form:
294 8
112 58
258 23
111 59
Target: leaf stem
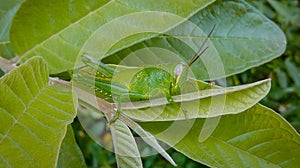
88 98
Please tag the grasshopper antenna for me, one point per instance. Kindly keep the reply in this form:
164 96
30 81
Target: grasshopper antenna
201 51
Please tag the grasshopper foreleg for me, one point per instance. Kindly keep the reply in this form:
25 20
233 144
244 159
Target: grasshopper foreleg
118 112
120 98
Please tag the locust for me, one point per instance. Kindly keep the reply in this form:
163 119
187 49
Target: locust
145 82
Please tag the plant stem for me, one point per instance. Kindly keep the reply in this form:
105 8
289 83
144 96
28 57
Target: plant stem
95 102
6 65
88 98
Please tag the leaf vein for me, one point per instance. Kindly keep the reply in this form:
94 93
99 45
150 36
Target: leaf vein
5 161
239 149
54 107
21 114
65 28
22 149
48 115
62 59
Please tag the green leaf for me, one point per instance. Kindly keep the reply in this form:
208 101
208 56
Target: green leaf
243 38
293 71
34 116
257 137
147 137
58 35
285 11
282 78
201 104
70 154
280 8
125 147
8 9
6 50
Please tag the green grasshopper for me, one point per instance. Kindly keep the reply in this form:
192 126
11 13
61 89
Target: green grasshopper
145 81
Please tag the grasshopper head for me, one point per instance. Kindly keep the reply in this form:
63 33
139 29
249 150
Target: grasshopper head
180 72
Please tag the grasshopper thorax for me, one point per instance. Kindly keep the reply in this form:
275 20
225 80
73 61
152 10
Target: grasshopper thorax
165 79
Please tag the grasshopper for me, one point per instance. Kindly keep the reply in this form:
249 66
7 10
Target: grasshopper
145 81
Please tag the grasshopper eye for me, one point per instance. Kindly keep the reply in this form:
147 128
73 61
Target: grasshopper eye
178 70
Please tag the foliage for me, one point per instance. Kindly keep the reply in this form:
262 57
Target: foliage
284 71
7 11
215 126
34 116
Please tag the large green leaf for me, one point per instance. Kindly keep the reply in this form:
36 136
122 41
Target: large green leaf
257 137
201 104
34 116
8 9
125 147
243 38
197 99
70 154
147 138
58 35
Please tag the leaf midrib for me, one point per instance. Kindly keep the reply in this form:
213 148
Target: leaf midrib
221 38
239 149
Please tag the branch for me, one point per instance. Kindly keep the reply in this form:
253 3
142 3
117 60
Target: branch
88 98
6 65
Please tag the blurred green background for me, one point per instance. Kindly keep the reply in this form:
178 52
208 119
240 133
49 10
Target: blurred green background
284 71
283 97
